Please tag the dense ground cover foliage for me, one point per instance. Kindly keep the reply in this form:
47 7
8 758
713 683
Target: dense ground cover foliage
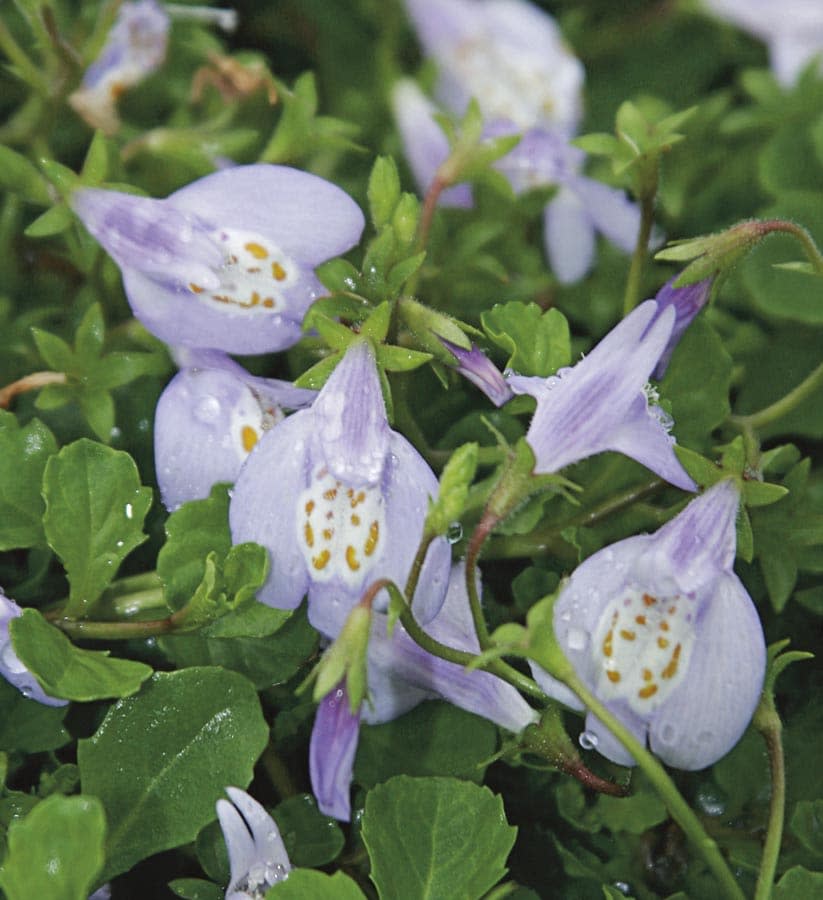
409 429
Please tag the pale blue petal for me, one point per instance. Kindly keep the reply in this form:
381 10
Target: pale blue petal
687 302
264 506
615 216
350 418
606 743
331 753
708 713
569 236
442 24
477 368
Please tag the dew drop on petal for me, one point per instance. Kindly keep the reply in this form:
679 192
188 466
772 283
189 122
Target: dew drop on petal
207 410
588 740
576 639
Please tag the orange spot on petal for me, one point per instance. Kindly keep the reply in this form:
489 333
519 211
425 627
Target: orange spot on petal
258 251
613 676
371 540
648 691
321 560
249 437
308 533
351 558
627 635
649 600
278 272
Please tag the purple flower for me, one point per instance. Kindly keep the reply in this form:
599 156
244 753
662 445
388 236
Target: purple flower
687 302
257 857
226 262
508 55
339 499
400 675
11 667
134 48
792 30
660 628
477 368
209 418
603 402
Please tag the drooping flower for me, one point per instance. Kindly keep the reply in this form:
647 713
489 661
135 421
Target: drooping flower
510 57
687 302
477 368
135 47
792 30
257 857
664 633
339 499
11 667
226 262
602 403
209 418
400 675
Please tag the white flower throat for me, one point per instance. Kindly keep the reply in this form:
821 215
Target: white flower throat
339 528
254 276
642 647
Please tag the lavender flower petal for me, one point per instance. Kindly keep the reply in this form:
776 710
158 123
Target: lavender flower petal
569 236
477 368
687 302
331 753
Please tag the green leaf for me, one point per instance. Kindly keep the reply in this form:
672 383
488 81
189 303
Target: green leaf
95 508
799 883
56 353
434 738
68 672
383 191
21 177
400 359
175 747
53 221
338 275
267 660
24 453
305 884
807 825
29 726
311 839
90 334
697 384
56 852
192 532
98 408
426 835
537 342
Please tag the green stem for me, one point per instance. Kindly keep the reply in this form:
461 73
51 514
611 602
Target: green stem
679 810
641 249
119 631
479 536
430 201
810 248
782 407
768 723
29 72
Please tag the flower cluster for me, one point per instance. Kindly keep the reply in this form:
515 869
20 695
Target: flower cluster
510 57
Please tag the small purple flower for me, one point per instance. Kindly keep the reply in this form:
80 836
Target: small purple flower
477 368
11 668
135 47
208 420
660 628
339 500
603 402
792 30
257 857
400 675
687 302
226 262
509 56
332 750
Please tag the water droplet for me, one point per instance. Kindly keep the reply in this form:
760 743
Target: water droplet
207 410
576 639
119 544
624 887
588 740
566 616
454 534
129 513
115 433
711 800
668 734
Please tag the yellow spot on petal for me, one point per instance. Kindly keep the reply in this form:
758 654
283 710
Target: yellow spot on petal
330 494
607 643
671 668
664 626
613 676
647 674
351 558
268 303
255 298
328 533
371 540
278 272
355 520
648 691
641 620
310 507
258 251
308 531
627 635
321 560
662 643
195 288
649 600
249 438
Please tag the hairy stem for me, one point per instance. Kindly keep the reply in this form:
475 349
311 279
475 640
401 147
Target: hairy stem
32 382
631 296
768 723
